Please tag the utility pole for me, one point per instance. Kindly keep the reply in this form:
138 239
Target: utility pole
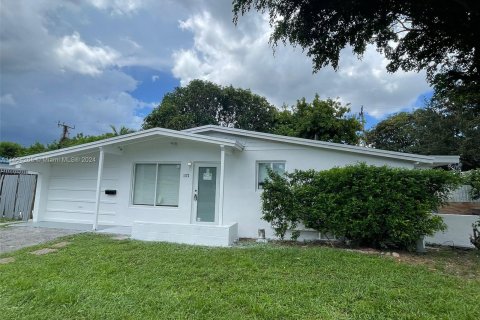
65 132
362 119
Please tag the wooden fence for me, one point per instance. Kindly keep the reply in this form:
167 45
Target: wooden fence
461 202
17 193
461 194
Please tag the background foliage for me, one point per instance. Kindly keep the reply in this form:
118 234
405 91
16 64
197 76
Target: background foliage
442 128
326 120
472 178
202 103
10 150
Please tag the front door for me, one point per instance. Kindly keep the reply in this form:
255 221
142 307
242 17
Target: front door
205 192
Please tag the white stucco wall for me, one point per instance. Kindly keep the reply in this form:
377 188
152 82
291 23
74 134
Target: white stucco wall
459 230
68 189
242 199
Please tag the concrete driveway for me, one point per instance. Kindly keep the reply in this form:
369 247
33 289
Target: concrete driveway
21 235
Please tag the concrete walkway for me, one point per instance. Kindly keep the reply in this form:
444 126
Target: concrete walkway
17 236
26 234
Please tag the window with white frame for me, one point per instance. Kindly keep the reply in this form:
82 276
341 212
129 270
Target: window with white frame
262 170
156 184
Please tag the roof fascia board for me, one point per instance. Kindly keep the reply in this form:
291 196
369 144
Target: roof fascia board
129 137
318 144
446 159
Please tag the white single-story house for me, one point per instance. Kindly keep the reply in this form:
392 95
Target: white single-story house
197 186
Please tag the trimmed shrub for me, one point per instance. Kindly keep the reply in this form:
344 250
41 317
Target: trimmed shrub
369 205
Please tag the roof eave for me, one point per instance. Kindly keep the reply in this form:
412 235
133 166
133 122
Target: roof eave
328 145
129 137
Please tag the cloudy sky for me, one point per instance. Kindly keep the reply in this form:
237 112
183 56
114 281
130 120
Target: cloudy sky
96 63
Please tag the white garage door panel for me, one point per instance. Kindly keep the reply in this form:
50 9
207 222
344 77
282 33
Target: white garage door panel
80 169
79 217
78 204
72 199
73 183
60 193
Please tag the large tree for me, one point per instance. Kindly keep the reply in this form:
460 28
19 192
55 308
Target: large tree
461 113
439 36
440 128
422 131
203 102
326 120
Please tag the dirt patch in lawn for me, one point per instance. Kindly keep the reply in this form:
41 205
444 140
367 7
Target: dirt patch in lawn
62 244
459 262
7 260
43 251
454 261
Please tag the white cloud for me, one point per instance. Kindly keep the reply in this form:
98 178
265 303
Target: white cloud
7 99
59 61
75 55
118 7
155 78
242 57
63 60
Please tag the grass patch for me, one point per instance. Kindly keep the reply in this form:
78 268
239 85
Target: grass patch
3 220
96 277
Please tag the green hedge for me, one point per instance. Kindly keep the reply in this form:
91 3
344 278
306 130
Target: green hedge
368 205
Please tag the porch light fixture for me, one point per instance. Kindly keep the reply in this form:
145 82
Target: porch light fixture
189 163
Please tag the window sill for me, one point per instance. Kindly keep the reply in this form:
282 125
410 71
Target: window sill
145 206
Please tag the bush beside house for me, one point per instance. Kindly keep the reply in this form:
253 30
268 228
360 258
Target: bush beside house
368 205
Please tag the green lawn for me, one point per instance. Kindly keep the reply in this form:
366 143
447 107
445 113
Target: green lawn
96 277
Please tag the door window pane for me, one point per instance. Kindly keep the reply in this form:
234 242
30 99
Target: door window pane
207 189
144 184
168 184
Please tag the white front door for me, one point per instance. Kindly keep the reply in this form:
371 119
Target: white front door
205 192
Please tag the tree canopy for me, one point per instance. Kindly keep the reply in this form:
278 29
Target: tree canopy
439 36
10 149
325 120
441 128
203 103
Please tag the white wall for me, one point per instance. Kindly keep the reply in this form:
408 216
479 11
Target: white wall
208 235
242 199
71 186
161 151
458 232
41 192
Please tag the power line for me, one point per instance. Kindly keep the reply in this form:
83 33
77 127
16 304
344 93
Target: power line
65 132
363 122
